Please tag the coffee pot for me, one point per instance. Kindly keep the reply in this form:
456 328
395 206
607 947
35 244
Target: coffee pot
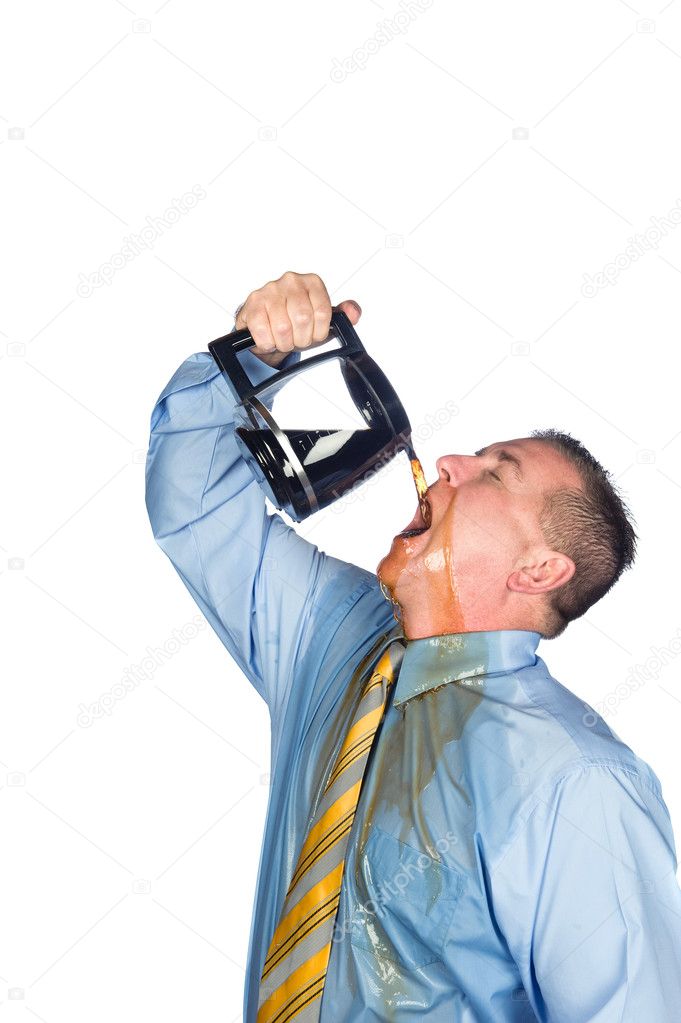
361 424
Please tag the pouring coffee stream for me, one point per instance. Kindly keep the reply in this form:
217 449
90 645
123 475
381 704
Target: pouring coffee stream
420 484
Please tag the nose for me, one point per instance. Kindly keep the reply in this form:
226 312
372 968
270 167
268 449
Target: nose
456 469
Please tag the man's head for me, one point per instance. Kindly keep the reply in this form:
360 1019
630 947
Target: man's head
525 534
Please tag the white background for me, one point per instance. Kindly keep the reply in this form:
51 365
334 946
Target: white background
458 175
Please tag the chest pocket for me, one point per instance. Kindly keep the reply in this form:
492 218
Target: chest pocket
405 901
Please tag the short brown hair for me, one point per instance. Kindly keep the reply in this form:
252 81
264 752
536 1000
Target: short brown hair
593 526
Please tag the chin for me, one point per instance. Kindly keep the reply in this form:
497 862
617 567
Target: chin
392 565
383 572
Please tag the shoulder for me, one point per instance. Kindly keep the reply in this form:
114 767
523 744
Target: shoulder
593 755
584 737
195 369
558 752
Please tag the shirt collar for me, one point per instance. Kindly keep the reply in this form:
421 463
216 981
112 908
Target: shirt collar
435 660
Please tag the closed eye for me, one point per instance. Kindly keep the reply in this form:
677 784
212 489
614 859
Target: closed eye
495 475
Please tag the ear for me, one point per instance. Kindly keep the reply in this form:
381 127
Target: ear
547 571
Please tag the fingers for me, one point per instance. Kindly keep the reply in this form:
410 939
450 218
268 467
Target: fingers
301 317
254 317
321 307
293 312
280 323
352 310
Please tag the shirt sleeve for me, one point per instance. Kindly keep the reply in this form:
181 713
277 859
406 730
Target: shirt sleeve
587 898
261 586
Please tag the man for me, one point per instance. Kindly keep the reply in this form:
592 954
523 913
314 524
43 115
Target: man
508 857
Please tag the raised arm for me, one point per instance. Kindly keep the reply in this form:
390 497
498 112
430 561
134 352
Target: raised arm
261 587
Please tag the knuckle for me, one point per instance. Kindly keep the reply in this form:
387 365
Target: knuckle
302 317
322 321
282 330
257 322
264 346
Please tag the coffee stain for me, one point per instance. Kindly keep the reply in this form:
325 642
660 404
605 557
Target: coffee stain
408 759
428 581
416 792
414 746
424 574
396 606
415 786
445 573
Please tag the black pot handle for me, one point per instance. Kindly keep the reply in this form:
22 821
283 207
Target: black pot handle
224 350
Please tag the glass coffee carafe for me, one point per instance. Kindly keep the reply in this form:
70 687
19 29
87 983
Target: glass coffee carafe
360 423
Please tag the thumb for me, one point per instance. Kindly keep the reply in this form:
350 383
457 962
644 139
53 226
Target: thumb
352 310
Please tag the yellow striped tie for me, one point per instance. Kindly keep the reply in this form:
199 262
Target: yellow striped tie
295 968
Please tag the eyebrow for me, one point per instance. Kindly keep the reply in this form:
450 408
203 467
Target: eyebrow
506 456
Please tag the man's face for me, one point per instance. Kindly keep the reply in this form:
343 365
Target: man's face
485 517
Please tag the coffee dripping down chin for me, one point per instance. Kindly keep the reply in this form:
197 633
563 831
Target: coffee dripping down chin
425 509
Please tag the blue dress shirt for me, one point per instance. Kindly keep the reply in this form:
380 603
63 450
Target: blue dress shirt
511 858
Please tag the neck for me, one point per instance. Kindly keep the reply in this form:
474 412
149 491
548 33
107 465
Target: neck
424 617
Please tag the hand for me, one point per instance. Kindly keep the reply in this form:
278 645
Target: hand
293 313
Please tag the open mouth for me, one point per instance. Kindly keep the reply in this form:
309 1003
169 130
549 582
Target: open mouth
420 523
